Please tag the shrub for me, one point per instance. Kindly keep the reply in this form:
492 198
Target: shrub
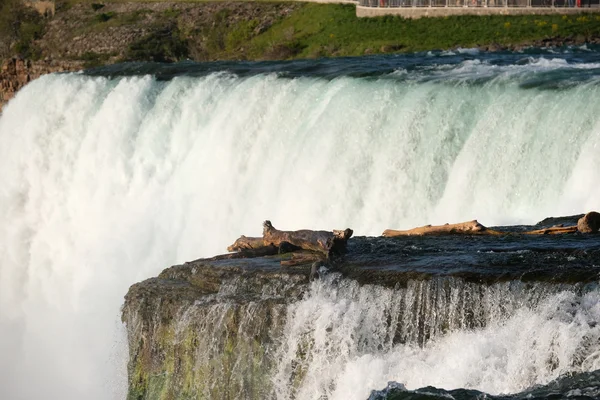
164 44
104 16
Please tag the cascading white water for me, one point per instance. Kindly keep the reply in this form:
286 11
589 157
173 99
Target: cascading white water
106 182
343 338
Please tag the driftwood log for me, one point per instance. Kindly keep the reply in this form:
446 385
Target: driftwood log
589 223
555 230
246 243
247 253
325 242
274 241
464 228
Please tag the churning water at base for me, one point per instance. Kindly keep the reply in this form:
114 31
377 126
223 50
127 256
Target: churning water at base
106 181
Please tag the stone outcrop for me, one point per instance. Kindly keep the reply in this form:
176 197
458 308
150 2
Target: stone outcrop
589 223
210 328
104 35
16 73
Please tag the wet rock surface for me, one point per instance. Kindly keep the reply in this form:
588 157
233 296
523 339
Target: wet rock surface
394 261
208 319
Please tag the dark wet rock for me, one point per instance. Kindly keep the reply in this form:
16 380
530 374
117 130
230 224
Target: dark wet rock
585 385
589 223
570 220
492 47
314 270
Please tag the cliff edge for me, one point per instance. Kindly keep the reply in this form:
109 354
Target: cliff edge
219 327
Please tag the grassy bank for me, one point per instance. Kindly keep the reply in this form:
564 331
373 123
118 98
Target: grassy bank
323 30
113 31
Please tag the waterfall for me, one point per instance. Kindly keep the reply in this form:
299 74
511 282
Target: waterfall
339 340
345 339
106 181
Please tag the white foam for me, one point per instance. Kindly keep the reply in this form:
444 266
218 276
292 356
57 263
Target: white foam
470 51
473 69
346 349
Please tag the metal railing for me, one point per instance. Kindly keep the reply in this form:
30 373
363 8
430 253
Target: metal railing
481 3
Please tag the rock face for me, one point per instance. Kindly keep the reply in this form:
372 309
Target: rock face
16 73
44 7
589 223
214 328
104 35
206 329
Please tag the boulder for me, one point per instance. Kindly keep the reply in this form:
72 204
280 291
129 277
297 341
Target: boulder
589 223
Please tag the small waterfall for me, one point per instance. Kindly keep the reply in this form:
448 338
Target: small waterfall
342 340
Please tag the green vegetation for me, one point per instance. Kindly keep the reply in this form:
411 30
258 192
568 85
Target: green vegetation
92 59
325 30
164 44
104 16
255 30
108 19
20 26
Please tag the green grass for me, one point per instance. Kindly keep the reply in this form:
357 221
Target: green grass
165 44
325 30
308 31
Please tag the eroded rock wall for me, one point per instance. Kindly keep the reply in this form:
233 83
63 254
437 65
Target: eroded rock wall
16 73
203 332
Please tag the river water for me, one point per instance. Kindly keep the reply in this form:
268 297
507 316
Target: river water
111 175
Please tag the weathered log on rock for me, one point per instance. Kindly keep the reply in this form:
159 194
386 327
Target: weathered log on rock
320 241
555 230
463 228
249 253
589 223
245 243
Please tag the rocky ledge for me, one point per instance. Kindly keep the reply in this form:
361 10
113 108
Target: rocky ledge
211 327
16 73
